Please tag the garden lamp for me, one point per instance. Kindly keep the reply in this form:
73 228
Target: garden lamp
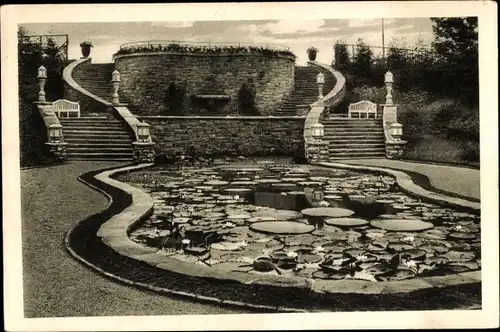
389 80
396 131
115 79
143 131
55 132
320 81
317 130
42 78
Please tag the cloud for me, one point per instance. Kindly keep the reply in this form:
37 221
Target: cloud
291 26
173 24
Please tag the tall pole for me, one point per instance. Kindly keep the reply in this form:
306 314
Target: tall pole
383 41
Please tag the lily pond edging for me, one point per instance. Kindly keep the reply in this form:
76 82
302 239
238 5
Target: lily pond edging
113 232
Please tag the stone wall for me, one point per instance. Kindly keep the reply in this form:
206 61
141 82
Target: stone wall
245 136
147 76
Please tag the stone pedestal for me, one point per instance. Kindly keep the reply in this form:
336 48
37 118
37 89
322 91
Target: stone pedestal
317 151
58 150
395 149
144 152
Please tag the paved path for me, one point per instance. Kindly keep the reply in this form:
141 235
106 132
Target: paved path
459 180
55 284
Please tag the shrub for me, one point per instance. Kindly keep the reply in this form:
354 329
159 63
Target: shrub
246 100
174 99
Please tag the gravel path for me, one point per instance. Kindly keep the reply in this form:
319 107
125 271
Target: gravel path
55 284
460 180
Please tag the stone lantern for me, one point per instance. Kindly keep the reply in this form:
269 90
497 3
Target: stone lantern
115 79
320 81
396 131
317 130
42 78
389 80
55 133
143 131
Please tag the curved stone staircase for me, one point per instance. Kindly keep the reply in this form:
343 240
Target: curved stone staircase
98 134
305 89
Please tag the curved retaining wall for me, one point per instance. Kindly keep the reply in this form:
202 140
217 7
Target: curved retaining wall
212 135
145 78
140 266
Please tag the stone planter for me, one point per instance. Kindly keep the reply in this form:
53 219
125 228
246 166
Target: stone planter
86 50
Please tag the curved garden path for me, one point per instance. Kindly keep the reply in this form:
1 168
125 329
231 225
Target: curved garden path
461 181
55 284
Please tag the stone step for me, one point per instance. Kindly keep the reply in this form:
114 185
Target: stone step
353 137
108 128
358 145
85 150
99 158
358 155
375 156
91 134
334 151
118 141
99 144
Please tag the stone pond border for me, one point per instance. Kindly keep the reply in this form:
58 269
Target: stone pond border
114 233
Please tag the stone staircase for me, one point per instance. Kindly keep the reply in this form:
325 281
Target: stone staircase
96 79
97 138
354 138
97 135
305 89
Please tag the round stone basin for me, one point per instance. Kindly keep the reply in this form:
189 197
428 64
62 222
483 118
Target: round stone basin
236 215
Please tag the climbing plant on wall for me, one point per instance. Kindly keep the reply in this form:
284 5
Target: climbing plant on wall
246 100
174 99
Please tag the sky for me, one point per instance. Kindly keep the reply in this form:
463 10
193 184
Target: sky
298 35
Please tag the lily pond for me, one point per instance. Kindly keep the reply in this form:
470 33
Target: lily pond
303 220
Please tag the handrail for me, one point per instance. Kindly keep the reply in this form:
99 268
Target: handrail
210 44
122 110
68 78
332 98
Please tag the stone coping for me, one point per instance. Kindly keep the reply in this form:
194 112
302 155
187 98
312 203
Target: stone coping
68 78
114 233
214 117
408 186
275 56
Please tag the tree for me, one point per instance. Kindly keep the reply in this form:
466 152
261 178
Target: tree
456 38
31 55
341 55
362 60
456 46
397 58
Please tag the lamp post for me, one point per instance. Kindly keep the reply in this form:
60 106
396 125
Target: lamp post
320 81
42 78
389 80
115 79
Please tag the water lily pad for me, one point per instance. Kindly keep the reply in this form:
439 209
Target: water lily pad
181 220
309 258
196 251
362 275
242 183
399 246
236 190
459 256
332 275
267 180
353 253
398 274
263 264
461 236
225 246
346 222
407 225
378 269
327 212
281 227
278 214
414 254
463 266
